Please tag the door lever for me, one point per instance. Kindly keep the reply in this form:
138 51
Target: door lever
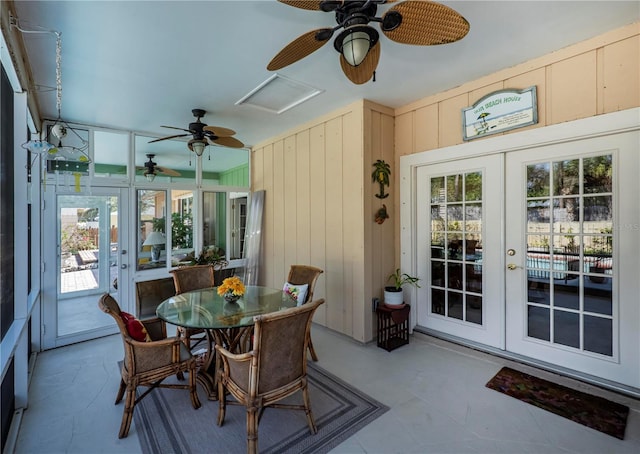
513 266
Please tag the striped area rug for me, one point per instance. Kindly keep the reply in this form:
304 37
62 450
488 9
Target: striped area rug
166 422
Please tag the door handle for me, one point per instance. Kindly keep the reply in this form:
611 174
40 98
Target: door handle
513 266
123 266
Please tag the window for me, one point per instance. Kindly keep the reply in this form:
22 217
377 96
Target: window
181 227
111 154
214 227
152 223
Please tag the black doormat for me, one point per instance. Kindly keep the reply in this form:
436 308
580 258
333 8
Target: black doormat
586 409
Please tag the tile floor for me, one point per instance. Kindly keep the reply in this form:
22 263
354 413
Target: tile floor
435 390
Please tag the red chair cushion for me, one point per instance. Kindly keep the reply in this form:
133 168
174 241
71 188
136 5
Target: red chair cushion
135 328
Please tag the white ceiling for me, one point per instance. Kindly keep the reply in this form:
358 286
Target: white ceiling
136 65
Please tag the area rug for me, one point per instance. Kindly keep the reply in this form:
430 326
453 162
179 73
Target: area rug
166 423
586 409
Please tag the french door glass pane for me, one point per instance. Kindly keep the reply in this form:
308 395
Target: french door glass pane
456 246
570 253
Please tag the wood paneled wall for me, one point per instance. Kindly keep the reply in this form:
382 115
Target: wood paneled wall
319 210
320 201
594 77
238 176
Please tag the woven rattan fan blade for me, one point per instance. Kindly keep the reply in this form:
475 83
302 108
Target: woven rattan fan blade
427 23
313 5
219 131
230 142
168 172
298 49
364 71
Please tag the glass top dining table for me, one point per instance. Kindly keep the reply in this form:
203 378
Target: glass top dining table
205 309
228 324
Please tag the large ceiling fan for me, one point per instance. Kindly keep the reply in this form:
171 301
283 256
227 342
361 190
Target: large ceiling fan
151 169
203 134
417 22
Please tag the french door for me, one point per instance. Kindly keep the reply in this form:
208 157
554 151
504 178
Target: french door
572 248
537 252
84 257
459 211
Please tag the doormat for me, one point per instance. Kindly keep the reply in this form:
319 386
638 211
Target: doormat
586 409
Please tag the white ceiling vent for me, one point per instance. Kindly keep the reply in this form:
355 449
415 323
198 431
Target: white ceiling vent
278 94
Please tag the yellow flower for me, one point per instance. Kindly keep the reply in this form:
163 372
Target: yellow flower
231 285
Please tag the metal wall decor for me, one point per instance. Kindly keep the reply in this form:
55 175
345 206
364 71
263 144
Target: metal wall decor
381 214
380 175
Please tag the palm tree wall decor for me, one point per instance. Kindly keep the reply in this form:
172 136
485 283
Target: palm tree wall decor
380 175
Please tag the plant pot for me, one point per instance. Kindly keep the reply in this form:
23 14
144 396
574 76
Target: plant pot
393 296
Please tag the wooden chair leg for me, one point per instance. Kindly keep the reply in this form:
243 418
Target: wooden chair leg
193 390
222 402
307 410
123 386
127 415
312 351
252 430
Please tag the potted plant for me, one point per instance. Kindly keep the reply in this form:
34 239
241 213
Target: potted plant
393 294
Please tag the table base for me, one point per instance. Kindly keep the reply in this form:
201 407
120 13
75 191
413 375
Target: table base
236 340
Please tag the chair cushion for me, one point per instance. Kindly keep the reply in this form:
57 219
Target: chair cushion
135 328
297 291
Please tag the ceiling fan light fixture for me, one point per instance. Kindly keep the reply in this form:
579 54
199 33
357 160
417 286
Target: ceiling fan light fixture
150 176
354 43
197 146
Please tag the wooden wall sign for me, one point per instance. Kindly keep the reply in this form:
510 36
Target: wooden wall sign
500 111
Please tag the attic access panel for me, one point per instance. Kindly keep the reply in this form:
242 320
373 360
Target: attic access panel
278 94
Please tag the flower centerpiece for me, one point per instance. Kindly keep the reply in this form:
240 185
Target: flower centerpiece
231 289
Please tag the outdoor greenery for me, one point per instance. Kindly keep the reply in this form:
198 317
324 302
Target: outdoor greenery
75 239
181 229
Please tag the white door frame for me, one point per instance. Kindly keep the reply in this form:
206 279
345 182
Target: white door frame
51 262
598 126
490 331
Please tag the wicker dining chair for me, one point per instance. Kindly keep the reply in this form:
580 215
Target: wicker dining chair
148 363
186 279
306 274
276 368
149 294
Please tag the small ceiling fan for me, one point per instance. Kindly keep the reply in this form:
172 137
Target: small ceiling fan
151 169
417 22
203 134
